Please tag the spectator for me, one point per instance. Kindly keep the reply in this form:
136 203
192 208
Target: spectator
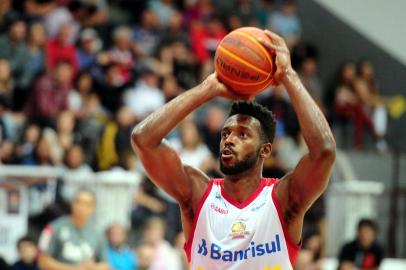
7 152
348 107
165 256
170 88
6 81
50 94
367 89
122 52
87 52
120 256
60 48
43 154
72 241
27 252
146 35
309 257
163 9
145 97
145 254
174 30
110 89
14 48
213 124
364 252
286 23
77 172
26 148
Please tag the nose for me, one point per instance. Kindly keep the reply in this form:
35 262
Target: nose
229 141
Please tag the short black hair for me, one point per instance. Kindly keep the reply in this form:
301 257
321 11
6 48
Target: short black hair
366 222
265 117
25 239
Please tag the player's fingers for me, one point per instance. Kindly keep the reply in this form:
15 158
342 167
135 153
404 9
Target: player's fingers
268 44
274 37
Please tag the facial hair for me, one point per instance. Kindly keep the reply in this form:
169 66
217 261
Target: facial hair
242 165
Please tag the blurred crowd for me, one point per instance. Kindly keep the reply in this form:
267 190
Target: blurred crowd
77 75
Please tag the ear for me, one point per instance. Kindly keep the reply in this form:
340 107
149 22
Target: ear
266 150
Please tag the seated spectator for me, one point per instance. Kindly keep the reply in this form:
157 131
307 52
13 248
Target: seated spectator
165 256
145 97
78 173
71 242
61 49
120 256
36 44
50 94
364 252
309 256
89 47
7 152
211 128
27 252
28 144
286 23
145 255
43 155
13 47
6 81
146 35
164 10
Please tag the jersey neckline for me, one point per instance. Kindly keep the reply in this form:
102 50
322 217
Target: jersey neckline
249 200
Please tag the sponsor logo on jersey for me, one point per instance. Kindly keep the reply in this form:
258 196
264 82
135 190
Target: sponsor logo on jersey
238 230
256 208
216 252
217 195
218 209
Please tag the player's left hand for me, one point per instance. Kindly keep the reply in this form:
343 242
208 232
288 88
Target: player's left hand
280 49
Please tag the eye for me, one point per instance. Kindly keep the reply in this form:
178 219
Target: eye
224 134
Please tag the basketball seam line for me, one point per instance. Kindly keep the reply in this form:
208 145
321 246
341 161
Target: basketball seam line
258 44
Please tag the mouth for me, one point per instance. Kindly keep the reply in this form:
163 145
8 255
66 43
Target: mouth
227 154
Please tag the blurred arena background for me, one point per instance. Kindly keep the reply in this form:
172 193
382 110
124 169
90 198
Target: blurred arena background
77 75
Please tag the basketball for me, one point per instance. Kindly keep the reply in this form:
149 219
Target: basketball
243 63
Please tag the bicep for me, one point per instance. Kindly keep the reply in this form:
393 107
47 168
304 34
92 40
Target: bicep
306 182
165 168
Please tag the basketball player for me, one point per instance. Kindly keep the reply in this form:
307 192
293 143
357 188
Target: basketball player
243 221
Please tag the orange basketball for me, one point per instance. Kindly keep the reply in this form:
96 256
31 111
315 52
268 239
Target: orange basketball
243 63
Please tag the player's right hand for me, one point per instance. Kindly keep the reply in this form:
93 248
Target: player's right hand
212 83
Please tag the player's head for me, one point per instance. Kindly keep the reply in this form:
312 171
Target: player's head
246 137
367 230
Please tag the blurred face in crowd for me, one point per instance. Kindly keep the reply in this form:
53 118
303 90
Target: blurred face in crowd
27 251
83 206
38 35
116 235
5 70
125 117
85 83
348 72
366 236
122 38
288 8
154 231
6 150
64 33
215 119
65 122
64 73
309 66
170 87
43 152
176 20
149 19
189 135
367 70
18 31
32 134
74 157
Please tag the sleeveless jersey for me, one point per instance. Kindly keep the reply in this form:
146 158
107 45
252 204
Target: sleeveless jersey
248 236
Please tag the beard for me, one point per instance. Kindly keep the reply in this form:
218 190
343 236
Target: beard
241 165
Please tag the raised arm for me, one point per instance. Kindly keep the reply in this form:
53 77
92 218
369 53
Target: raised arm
300 188
161 162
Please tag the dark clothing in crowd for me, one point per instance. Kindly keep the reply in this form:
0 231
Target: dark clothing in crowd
369 258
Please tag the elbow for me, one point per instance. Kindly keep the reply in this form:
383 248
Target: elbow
328 150
138 138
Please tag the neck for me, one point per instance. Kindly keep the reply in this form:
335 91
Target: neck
240 187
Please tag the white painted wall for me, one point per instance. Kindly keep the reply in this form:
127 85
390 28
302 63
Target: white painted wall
381 21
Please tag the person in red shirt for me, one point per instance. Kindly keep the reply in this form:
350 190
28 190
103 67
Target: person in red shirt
60 48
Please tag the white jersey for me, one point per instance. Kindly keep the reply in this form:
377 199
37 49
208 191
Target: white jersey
248 236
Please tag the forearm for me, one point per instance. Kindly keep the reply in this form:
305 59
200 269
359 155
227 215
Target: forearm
314 127
156 126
